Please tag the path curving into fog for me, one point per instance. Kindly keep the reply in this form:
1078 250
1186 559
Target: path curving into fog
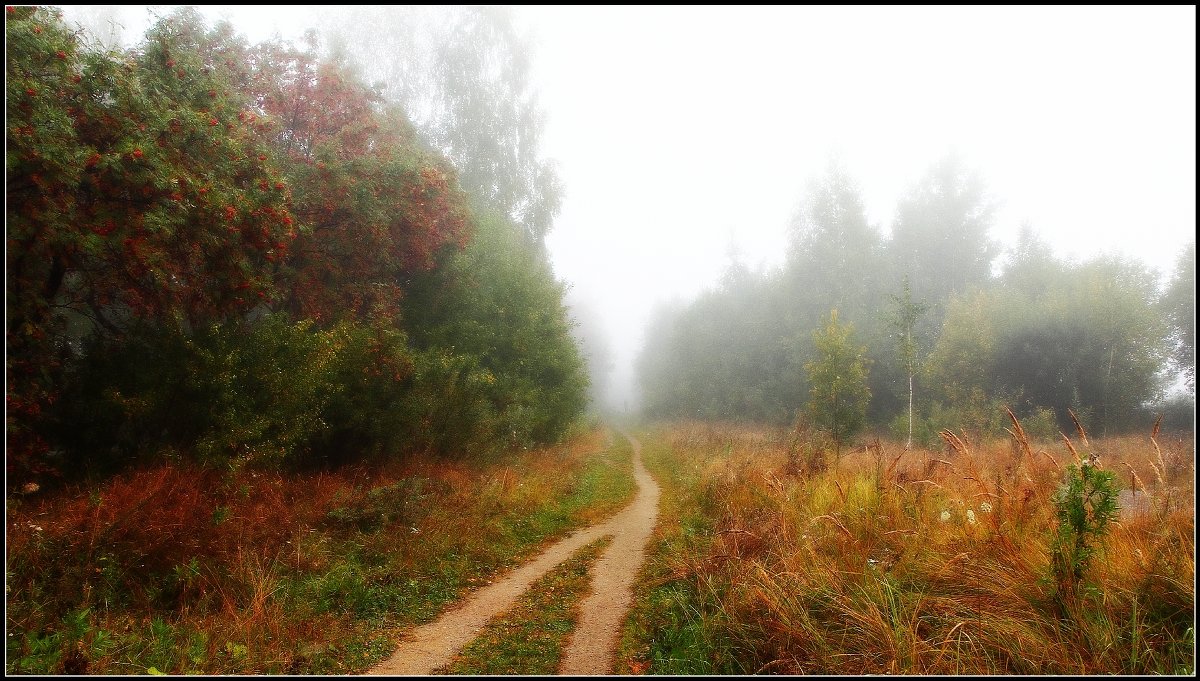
592 646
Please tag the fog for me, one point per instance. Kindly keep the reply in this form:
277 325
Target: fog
706 123
684 135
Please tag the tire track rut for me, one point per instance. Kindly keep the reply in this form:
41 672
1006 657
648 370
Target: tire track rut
591 647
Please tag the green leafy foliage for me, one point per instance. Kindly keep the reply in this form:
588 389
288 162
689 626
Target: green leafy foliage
275 393
214 251
838 376
285 393
1085 505
519 376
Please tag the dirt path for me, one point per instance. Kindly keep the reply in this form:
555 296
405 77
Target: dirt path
591 648
595 639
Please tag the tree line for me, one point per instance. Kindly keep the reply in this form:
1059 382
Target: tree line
244 254
856 326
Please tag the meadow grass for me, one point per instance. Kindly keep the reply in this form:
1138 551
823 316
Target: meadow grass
907 562
181 570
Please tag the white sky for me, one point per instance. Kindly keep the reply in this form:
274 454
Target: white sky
679 131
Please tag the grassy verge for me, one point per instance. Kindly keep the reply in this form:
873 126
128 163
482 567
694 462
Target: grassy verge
669 630
528 639
774 559
179 570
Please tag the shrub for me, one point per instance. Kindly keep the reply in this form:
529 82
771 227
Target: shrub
1041 424
808 449
367 385
278 392
1085 504
218 394
979 415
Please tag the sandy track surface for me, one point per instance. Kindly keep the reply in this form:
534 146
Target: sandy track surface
591 648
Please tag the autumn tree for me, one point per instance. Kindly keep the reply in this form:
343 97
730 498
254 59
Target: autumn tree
139 191
373 208
839 395
125 206
179 216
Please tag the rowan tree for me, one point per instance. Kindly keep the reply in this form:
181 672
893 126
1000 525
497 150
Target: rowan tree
373 207
140 190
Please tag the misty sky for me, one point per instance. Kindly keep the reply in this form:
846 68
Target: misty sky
681 133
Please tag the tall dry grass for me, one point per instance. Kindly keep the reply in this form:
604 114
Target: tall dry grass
928 562
195 571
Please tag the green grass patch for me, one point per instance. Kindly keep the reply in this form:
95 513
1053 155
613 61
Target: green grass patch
670 629
528 639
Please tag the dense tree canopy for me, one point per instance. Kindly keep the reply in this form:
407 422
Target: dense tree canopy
225 250
139 190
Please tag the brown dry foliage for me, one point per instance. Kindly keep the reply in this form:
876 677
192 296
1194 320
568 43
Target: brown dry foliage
852 571
208 550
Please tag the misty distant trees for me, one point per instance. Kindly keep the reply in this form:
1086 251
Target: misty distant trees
1043 336
463 73
940 235
1179 309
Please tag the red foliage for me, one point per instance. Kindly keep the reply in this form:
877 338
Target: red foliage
377 208
147 523
105 206
135 192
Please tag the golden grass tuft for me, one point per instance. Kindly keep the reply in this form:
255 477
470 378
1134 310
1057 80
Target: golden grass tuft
854 571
